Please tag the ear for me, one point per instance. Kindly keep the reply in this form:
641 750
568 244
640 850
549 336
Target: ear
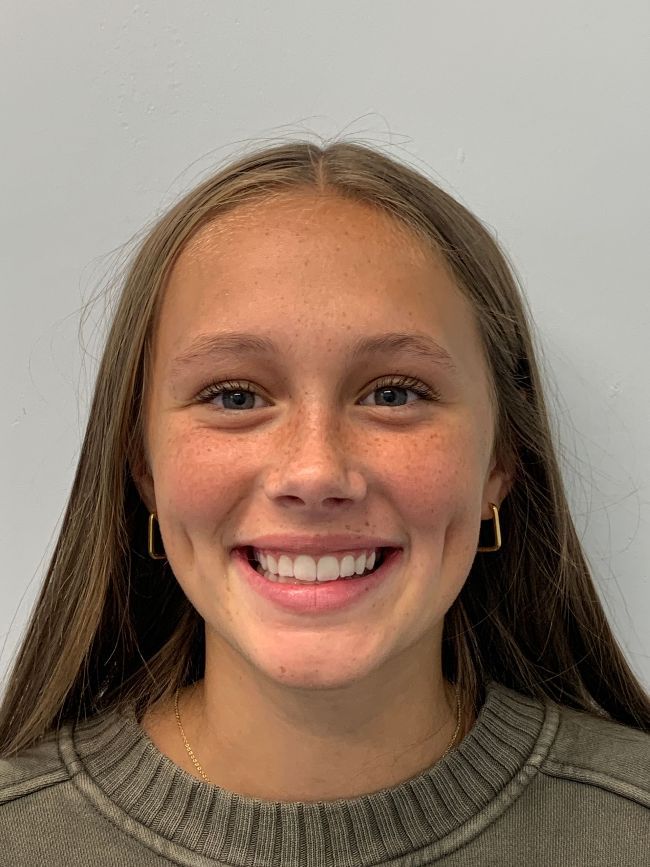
143 480
497 485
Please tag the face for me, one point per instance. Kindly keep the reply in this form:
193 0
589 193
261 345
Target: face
307 441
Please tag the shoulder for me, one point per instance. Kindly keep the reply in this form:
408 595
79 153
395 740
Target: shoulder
34 769
601 753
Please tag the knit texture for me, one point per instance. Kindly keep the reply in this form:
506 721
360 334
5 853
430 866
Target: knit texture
531 783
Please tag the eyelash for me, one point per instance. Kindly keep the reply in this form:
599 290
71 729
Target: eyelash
406 382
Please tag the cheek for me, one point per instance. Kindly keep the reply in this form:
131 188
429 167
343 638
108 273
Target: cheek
197 480
438 478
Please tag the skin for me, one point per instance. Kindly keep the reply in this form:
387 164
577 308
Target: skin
317 707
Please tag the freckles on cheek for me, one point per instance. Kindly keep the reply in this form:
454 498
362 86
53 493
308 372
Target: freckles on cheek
196 479
438 482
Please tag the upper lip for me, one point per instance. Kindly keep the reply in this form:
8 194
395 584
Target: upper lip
314 544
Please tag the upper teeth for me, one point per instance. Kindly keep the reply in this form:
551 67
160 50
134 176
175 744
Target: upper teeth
325 568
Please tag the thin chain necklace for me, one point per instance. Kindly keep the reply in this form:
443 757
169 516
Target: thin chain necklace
202 772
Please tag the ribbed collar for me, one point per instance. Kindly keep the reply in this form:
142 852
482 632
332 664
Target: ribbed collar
125 770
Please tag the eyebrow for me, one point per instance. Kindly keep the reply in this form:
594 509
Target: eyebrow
235 344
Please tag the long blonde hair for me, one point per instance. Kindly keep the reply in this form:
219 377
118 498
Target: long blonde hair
112 627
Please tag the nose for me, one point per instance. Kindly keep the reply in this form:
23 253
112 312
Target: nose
316 467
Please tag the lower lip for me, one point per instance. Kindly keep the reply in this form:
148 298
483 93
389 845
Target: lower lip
319 596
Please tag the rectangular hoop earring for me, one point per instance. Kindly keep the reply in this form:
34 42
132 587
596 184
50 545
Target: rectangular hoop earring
497 533
150 544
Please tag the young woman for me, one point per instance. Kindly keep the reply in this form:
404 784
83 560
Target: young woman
317 597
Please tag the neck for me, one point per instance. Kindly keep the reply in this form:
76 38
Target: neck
250 744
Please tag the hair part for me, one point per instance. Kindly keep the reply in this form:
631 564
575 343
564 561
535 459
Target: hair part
112 627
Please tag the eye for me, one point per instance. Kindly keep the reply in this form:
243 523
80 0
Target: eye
392 384
239 392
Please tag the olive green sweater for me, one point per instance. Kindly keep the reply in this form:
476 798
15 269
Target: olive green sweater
530 784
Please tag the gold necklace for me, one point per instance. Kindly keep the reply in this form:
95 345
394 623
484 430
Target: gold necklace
202 772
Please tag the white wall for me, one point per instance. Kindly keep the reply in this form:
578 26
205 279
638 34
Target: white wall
533 114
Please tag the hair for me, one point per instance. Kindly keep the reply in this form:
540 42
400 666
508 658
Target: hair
112 627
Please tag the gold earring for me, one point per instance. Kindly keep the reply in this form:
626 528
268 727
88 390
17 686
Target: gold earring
497 532
152 553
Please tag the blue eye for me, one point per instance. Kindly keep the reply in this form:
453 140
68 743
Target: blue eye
236 391
406 383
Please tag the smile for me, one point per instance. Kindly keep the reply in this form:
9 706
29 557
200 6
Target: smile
306 569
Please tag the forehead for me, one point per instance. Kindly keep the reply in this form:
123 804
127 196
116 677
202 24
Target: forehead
301 216
302 262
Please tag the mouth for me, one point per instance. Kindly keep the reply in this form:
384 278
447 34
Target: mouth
382 554
312 598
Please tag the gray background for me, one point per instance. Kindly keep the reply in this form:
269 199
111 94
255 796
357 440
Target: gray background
533 115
